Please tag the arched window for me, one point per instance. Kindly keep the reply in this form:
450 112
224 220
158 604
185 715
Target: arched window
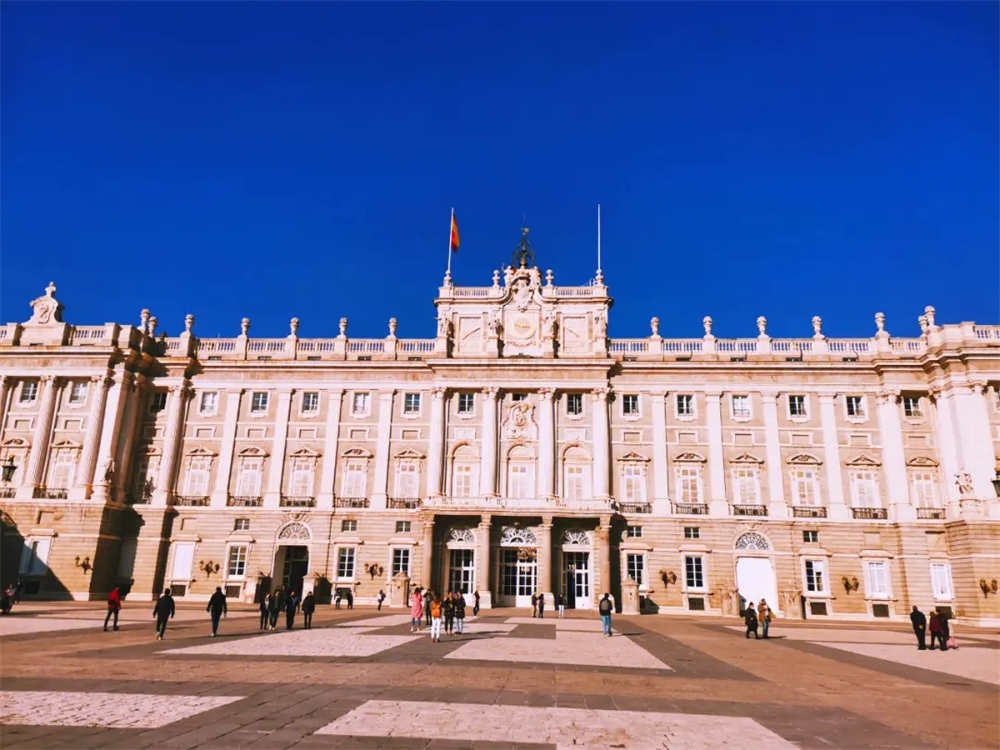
576 474
465 472
520 473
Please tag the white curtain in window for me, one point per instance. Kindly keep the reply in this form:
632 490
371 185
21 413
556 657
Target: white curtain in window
183 559
878 579
196 482
925 489
688 484
355 479
464 483
804 487
303 477
407 479
746 486
519 480
248 482
941 581
634 483
864 490
63 468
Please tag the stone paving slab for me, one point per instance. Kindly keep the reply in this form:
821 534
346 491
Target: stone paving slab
968 662
579 649
325 642
95 709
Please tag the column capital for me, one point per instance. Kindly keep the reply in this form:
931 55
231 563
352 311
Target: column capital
888 395
485 519
439 391
826 396
547 393
387 394
54 380
490 391
977 386
713 393
183 388
767 397
600 394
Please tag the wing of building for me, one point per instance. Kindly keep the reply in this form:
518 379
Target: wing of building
519 450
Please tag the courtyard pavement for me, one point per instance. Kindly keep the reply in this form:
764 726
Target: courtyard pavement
361 679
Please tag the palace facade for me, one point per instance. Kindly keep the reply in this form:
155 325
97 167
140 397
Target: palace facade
519 450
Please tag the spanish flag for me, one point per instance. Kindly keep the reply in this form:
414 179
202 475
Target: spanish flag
454 232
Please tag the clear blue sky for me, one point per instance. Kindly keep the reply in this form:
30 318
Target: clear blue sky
267 161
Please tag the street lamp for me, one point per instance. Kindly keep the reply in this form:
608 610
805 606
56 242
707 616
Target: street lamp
8 469
996 481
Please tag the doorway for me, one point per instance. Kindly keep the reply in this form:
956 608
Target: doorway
293 561
576 571
518 575
755 581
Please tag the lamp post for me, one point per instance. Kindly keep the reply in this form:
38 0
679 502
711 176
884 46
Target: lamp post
996 481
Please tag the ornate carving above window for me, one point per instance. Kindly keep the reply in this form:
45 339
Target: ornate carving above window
295 530
804 458
461 536
515 536
576 536
746 458
690 457
863 460
753 541
922 461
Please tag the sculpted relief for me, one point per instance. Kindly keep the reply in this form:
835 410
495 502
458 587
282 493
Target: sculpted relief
520 422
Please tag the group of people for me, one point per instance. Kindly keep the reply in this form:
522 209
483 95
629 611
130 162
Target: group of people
938 626
10 596
429 608
287 601
761 617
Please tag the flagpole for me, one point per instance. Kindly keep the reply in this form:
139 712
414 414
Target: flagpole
598 237
451 223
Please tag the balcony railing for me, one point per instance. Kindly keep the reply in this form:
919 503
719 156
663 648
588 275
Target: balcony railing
350 502
6 492
51 493
691 509
635 507
297 502
194 501
245 501
808 511
404 503
928 514
749 510
872 514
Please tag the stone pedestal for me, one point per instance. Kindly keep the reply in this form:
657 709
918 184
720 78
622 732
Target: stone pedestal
399 590
630 597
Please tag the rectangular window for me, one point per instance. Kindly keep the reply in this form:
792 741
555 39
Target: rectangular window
692 532
209 403
241 524
810 537
689 484
741 407
345 563
402 527
63 469
411 403
258 402
34 556
29 391
925 489
635 566
630 405
805 488
634 483
864 490
574 404
196 482
694 573
685 405
815 576
855 406
303 477
575 482
466 403
310 402
237 566
461 571
248 481
518 396
519 485
407 480
878 579
400 560
941 581
360 404
746 486
355 480
157 402
349 524
77 392
797 406
183 560
465 480
911 407
633 532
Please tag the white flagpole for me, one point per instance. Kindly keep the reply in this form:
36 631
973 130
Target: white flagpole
598 237
451 223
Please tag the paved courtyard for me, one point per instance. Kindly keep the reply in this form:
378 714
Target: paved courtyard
362 679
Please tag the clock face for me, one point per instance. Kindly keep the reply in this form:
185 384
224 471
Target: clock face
522 327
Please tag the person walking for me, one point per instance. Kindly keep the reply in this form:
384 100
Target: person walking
416 610
919 622
308 607
163 611
764 615
475 603
291 607
349 595
935 630
604 608
944 629
275 606
541 606
534 604
265 603
448 607
459 606
435 609
114 606
750 618
427 608
217 608
381 598
561 604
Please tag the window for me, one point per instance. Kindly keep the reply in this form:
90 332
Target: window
692 532
689 484
941 581
196 481
816 576
746 486
633 532
635 567
685 405
349 524
924 489
407 479
77 392
518 396
63 469
402 527
633 483
461 570
797 406
303 477
310 402
694 572
466 403
183 560
864 490
464 483
630 405
360 404
241 524
855 406
575 482
157 402
355 479
237 566
400 560
878 579
145 477
519 482
810 537
574 404
248 480
258 402
29 391
805 487
34 556
411 403
911 407
741 407
345 563
209 403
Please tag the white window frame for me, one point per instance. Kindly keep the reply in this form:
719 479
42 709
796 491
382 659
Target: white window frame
29 392
528 489
702 572
63 459
302 478
177 546
578 486
309 412
917 414
631 555
873 588
407 473
247 467
348 525
805 407
632 531
692 404
259 403
355 480
686 472
819 565
470 398
393 570
199 469
633 479
740 415
230 576
157 402
577 399
692 532
923 482
862 416
78 390
799 483
862 478
409 409
404 527
743 478
342 557
208 403
938 594
626 414
361 403
241 524
813 535
464 471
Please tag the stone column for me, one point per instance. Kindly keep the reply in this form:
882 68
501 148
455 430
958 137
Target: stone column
328 478
601 444
488 441
546 445
171 443
777 507
272 493
114 410
948 447
131 424
718 505
378 496
602 549
976 439
220 493
88 458
545 562
831 456
34 473
435 446
893 458
427 552
483 562
661 493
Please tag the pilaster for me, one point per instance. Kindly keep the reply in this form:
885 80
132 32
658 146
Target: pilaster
893 457
717 506
777 507
88 458
272 494
33 474
601 444
546 446
378 498
328 477
220 493
831 458
435 445
661 495
488 443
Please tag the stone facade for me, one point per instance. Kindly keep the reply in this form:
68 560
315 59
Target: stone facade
521 449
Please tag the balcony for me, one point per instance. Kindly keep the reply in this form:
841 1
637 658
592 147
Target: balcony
749 510
635 508
350 502
930 514
192 501
403 503
808 511
51 493
6 492
297 502
245 501
691 509
870 514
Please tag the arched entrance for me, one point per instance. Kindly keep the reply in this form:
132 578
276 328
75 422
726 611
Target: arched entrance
518 565
291 557
755 578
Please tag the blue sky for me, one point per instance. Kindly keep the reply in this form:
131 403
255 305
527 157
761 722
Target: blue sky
271 160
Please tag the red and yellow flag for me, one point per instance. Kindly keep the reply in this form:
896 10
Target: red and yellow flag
454 233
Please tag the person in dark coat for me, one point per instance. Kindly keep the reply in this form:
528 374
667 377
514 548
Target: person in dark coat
427 608
217 608
265 616
18 590
163 611
350 598
448 608
945 630
459 607
308 607
919 627
534 605
275 605
114 607
935 630
475 603
750 618
561 604
381 598
541 605
291 607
